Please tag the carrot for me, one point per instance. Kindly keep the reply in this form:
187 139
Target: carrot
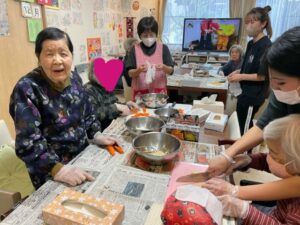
119 149
144 110
111 150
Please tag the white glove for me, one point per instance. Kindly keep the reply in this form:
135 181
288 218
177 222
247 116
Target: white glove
72 175
219 186
218 165
99 139
234 207
124 109
241 161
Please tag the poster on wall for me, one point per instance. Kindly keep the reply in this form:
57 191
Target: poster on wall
26 9
93 48
34 27
129 27
3 18
54 4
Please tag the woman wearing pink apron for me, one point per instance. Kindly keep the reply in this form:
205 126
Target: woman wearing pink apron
148 53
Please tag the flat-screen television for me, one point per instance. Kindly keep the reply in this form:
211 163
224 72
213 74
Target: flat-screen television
210 34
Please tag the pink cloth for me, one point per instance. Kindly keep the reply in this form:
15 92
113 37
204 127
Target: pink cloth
159 83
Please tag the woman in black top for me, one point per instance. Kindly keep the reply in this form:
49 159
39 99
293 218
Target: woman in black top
253 83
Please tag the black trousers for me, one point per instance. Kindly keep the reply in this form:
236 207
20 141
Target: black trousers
242 107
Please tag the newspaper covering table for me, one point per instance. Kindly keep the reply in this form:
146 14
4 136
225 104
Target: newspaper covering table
116 180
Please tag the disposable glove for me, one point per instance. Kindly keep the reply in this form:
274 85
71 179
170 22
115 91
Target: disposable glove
219 186
241 161
234 207
72 175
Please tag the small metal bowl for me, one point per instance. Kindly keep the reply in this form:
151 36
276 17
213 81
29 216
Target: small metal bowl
166 113
140 125
156 141
154 100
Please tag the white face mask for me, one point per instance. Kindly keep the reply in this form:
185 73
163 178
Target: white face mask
149 41
288 97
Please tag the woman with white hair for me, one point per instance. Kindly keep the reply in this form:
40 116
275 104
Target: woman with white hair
106 105
283 160
236 53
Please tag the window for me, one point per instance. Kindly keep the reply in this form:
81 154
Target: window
284 14
177 10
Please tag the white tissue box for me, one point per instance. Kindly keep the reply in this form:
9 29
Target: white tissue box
216 121
216 107
191 82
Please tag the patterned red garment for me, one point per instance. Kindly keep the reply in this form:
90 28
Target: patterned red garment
178 212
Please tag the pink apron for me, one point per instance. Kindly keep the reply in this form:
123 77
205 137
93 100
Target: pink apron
138 84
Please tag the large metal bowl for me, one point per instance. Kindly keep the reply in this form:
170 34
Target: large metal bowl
166 113
140 125
144 144
154 100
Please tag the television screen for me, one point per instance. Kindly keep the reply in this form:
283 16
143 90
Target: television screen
210 34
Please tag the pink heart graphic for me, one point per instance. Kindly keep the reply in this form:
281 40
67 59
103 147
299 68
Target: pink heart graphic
108 73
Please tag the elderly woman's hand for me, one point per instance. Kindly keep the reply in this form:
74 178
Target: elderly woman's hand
72 175
124 109
105 140
132 106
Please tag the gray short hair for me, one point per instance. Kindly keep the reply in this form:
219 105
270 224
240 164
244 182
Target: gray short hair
287 131
129 42
239 48
91 72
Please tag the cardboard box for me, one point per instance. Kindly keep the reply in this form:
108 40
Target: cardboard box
216 121
184 132
75 208
216 107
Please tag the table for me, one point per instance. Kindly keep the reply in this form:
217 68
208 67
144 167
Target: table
201 84
114 180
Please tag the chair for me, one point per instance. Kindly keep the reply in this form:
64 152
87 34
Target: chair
5 137
15 182
127 90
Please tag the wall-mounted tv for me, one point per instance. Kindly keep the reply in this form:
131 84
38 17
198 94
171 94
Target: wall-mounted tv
210 34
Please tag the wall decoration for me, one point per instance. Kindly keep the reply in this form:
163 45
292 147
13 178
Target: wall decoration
93 48
129 27
95 20
44 2
4 29
82 53
26 9
54 4
120 32
65 4
76 4
34 27
36 11
66 20
135 5
77 18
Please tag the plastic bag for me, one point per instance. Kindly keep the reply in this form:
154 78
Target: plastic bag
150 74
235 88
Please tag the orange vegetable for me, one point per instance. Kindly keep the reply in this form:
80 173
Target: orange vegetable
111 150
119 149
140 114
144 110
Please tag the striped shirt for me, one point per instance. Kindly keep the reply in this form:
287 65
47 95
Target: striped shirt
286 212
